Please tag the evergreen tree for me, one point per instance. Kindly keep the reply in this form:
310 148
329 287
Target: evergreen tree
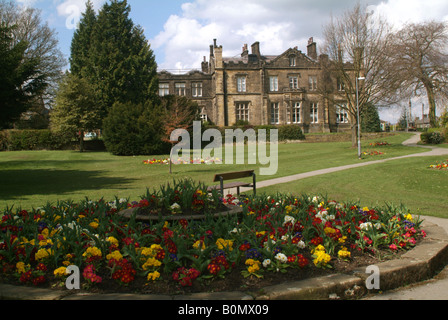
80 61
20 79
125 67
135 129
370 119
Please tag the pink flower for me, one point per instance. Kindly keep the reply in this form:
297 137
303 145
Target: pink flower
393 247
89 274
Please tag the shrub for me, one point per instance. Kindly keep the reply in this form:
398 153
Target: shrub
134 129
17 140
290 132
432 137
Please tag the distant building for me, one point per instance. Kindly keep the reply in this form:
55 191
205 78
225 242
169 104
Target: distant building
263 89
422 123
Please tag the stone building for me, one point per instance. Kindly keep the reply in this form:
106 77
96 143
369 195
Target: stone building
290 88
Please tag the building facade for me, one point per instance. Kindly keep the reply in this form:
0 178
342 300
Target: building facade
264 89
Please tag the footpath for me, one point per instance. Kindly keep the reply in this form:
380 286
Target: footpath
420 274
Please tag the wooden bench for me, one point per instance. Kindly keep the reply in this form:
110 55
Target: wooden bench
221 177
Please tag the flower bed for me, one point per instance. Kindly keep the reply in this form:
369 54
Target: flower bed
440 166
379 144
280 236
372 153
182 161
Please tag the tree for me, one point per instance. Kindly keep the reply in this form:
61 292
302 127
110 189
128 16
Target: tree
135 129
42 43
124 65
21 80
370 119
355 44
81 46
419 62
74 112
180 113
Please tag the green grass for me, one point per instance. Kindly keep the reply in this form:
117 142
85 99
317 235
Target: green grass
407 181
33 178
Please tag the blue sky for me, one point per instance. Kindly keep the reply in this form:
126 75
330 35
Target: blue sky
180 31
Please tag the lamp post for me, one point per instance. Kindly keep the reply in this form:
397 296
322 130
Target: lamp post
359 122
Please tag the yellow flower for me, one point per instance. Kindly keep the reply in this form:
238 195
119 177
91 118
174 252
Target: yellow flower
151 262
221 243
94 224
365 209
254 265
321 258
21 267
45 233
116 255
408 217
92 252
60 272
43 253
153 276
199 244
329 230
112 241
342 239
344 253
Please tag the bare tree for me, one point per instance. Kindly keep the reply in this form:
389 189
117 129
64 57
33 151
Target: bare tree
418 63
42 41
355 44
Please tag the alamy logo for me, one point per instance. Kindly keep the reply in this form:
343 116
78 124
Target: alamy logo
255 142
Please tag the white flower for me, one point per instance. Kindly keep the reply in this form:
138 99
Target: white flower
175 206
366 226
266 263
289 219
235 230
281 257
301 244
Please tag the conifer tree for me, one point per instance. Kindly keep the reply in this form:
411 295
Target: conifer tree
124 64
80 62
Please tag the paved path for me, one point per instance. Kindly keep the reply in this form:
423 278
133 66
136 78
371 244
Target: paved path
434 289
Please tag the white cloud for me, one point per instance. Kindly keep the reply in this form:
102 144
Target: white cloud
278 25
401 12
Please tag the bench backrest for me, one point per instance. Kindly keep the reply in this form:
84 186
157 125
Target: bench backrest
233 175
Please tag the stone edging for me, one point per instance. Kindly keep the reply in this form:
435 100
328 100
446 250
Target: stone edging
420 263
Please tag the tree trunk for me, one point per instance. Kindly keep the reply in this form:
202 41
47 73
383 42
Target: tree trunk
354 131
81 141
432 106
432 103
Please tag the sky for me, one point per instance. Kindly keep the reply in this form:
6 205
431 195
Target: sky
181 31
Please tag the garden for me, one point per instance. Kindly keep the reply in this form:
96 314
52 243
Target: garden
270 239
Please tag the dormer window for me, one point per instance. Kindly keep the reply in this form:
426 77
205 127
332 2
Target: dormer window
292 61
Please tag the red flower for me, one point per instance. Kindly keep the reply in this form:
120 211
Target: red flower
214 268
302 261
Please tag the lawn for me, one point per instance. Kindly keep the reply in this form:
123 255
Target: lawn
407 181
33 178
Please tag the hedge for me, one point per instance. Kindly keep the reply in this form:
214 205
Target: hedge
17 140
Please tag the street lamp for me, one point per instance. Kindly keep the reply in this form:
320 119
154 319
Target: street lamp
359 122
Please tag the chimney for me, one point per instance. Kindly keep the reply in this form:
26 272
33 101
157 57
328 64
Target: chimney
245 52
312 49
204 65
256 49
